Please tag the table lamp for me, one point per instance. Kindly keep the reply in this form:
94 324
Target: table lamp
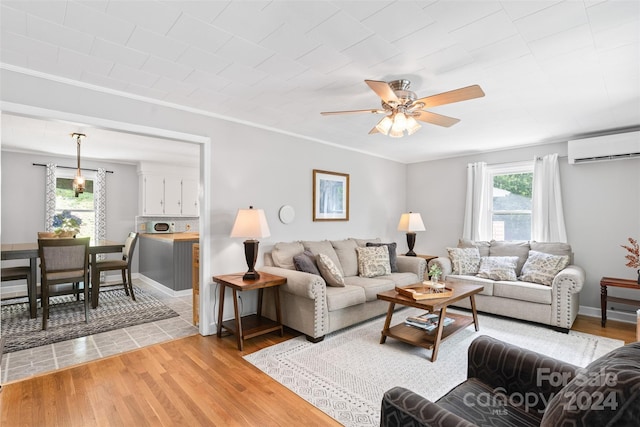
252 224
411 222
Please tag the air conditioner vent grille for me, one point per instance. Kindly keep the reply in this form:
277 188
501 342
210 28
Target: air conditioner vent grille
611 157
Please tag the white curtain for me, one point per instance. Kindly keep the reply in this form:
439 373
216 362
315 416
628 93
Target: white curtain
477 224
100 204
50 196
547 215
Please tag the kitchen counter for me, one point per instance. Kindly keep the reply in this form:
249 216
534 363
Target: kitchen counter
175 237
167 259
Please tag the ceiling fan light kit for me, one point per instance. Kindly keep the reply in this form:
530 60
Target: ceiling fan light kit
403 109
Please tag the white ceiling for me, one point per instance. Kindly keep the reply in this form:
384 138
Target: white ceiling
551 70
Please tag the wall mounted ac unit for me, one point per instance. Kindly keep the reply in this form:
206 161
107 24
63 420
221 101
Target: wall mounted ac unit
609 147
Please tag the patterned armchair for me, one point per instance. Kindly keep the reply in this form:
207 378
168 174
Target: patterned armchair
507 386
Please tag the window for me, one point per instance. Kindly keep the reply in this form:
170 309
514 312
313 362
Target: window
82 206
510 209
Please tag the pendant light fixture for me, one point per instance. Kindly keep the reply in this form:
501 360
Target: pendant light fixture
78 181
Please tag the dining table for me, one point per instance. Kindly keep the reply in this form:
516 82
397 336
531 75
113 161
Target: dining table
13 251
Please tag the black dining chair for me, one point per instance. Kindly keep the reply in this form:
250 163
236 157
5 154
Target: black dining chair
64 263
123 264
16 273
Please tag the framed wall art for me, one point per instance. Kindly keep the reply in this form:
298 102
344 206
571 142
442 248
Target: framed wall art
330 196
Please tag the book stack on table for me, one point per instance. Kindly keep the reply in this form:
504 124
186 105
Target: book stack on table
426 321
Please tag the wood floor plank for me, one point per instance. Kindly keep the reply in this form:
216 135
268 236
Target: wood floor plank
194 381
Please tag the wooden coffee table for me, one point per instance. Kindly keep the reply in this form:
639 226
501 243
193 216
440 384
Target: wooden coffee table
430 339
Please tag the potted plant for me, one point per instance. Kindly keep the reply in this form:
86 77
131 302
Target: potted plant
435 272
65 224
633 257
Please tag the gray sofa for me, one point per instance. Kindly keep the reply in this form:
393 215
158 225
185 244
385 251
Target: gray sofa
314 308
541 291
510 386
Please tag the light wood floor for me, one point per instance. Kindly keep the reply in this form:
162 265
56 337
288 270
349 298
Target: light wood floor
187 382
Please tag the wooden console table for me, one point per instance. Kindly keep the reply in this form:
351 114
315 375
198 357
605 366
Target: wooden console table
617 283
252 325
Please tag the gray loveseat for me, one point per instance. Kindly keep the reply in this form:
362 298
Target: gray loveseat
544 286
314 308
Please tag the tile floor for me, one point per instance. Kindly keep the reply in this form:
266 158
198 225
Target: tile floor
26 363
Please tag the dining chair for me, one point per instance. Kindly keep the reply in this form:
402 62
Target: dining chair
63 264
123 264
16 273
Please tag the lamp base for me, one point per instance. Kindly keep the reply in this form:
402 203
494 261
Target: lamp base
251 275
251 254
411 241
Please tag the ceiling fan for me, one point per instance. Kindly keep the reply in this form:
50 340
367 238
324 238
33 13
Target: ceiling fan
403 108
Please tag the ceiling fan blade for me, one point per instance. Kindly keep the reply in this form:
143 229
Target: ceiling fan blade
457 95
374 130
383 90
373 111
436 119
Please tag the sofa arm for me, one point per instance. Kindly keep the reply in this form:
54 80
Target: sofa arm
570 279
412 264
513 370
299 283
404 408
445 265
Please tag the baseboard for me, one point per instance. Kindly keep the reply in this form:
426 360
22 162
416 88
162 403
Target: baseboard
622 316
162 288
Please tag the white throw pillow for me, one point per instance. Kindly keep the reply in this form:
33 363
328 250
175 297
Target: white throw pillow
464 260
542 268
329 271
498 268
373 261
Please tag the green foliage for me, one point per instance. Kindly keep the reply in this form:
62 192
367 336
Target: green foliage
521 183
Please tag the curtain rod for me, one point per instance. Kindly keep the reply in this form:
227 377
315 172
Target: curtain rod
69 167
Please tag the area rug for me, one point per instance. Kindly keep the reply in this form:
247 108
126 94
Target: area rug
346 374
66 318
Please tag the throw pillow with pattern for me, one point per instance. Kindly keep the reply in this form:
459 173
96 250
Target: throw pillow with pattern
393 255
373 261
542 268
498 268
464 260
329 271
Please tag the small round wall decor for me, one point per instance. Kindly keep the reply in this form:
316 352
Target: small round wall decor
287 214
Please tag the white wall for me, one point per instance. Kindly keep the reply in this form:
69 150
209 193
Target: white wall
601 205
241 166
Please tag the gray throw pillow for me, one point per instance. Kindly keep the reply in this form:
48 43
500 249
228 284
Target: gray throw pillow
393 256
306 262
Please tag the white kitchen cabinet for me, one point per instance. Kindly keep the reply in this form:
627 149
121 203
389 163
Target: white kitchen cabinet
172 196
169 195
190 197
153 195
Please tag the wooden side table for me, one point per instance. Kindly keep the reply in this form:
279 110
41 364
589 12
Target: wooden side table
427 258
252 325
617 283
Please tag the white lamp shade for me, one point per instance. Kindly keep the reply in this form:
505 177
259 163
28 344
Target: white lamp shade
250 223
411 222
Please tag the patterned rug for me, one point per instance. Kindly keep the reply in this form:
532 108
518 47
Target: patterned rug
66 317
346 374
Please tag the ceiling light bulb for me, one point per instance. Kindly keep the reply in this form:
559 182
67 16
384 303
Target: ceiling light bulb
395 133
384 125
399 122
412 125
